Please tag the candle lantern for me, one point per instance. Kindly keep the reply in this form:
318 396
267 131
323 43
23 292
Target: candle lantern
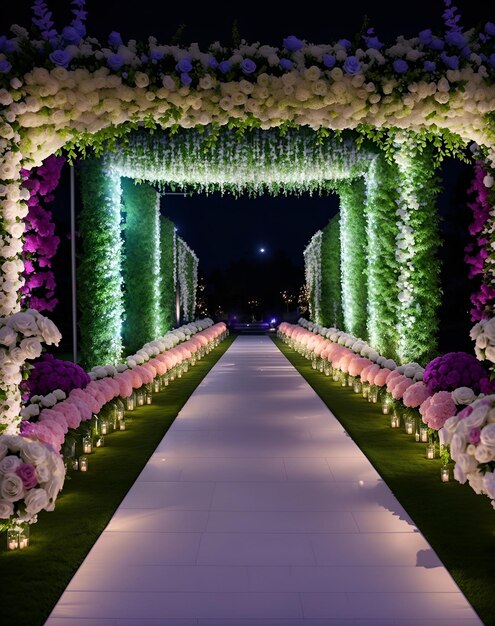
83 463
193 360
156 384
409 425
373 394
320 365
104 427
140 397
119 411
385 407
423 433
99 441
75 464
122 424
430 451
148 396
445 474
327 369
335 374
343 380
179 370
185 366
356 387
365 389
87 445
172 373
164 381
24 536
129 402
12 539
394 420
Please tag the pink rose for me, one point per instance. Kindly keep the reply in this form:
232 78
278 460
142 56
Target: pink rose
27 473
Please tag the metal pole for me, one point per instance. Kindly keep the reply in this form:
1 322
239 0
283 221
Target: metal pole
73 262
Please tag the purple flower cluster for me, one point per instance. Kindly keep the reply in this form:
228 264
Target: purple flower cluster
477 252
453 370
40 241
49 374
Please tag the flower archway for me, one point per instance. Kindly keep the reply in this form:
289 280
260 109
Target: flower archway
64 90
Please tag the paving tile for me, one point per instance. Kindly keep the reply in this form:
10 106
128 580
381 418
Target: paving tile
257 509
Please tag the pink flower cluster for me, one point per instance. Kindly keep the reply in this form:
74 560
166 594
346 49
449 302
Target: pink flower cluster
415 395
349 362
477 252
53 423
436 409
40 241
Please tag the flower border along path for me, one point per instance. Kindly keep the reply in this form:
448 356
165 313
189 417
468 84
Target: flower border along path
453 519
35 578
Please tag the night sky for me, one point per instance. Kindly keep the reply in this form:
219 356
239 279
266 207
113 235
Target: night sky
227 233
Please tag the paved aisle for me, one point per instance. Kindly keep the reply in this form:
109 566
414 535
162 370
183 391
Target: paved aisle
258 510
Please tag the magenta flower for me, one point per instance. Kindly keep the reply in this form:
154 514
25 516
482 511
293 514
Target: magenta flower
27 473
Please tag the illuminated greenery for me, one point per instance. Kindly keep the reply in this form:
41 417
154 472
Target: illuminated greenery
140 268
353 255
167 270
331 288
382 271
98 276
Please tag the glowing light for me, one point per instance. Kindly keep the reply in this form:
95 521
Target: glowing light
262 250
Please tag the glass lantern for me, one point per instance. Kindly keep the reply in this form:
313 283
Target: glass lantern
430 451
130 402
104 427
409 425
87 444
148 395
12 539
24 536
423 433
83 463
122 424
140 397
164 381
445 474
394 420
99 441
156 384
357 386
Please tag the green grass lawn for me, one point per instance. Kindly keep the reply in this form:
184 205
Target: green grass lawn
34 579
459 524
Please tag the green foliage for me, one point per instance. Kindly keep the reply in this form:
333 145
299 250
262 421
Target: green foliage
382 272
187 278
353 256
167 270
140 268
418 323
331 288
98 276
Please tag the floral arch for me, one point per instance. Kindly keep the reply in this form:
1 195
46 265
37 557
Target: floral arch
64 90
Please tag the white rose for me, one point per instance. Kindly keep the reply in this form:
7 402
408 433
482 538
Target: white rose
16 355
488 181
36 500
6 509
8 336
489 329
9 464
30 411
42 473
11 487
463 395
457 445
489 484
24 323
447 432
476 482
49 331
477 418
484 454
34 452
31 347
49 400
465 464
59 394
488 435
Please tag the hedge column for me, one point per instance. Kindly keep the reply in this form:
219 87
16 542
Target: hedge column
141 265
168 274
331 289
353 253
99 276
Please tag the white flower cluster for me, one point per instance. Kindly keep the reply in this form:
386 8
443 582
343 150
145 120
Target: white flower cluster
483 333
471 436
357 345
312 270
31 477
21 336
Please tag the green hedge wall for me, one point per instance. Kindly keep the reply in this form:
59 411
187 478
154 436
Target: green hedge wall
99 281
141 268
331 288
168 275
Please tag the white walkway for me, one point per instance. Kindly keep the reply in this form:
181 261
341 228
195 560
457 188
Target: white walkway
258 510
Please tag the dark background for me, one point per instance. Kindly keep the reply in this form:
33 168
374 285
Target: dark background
228 233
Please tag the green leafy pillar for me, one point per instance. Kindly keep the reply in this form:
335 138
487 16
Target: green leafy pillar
417 245
142 265
168 274
353 255
331 289
187 278
383 266
99 277
312 272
